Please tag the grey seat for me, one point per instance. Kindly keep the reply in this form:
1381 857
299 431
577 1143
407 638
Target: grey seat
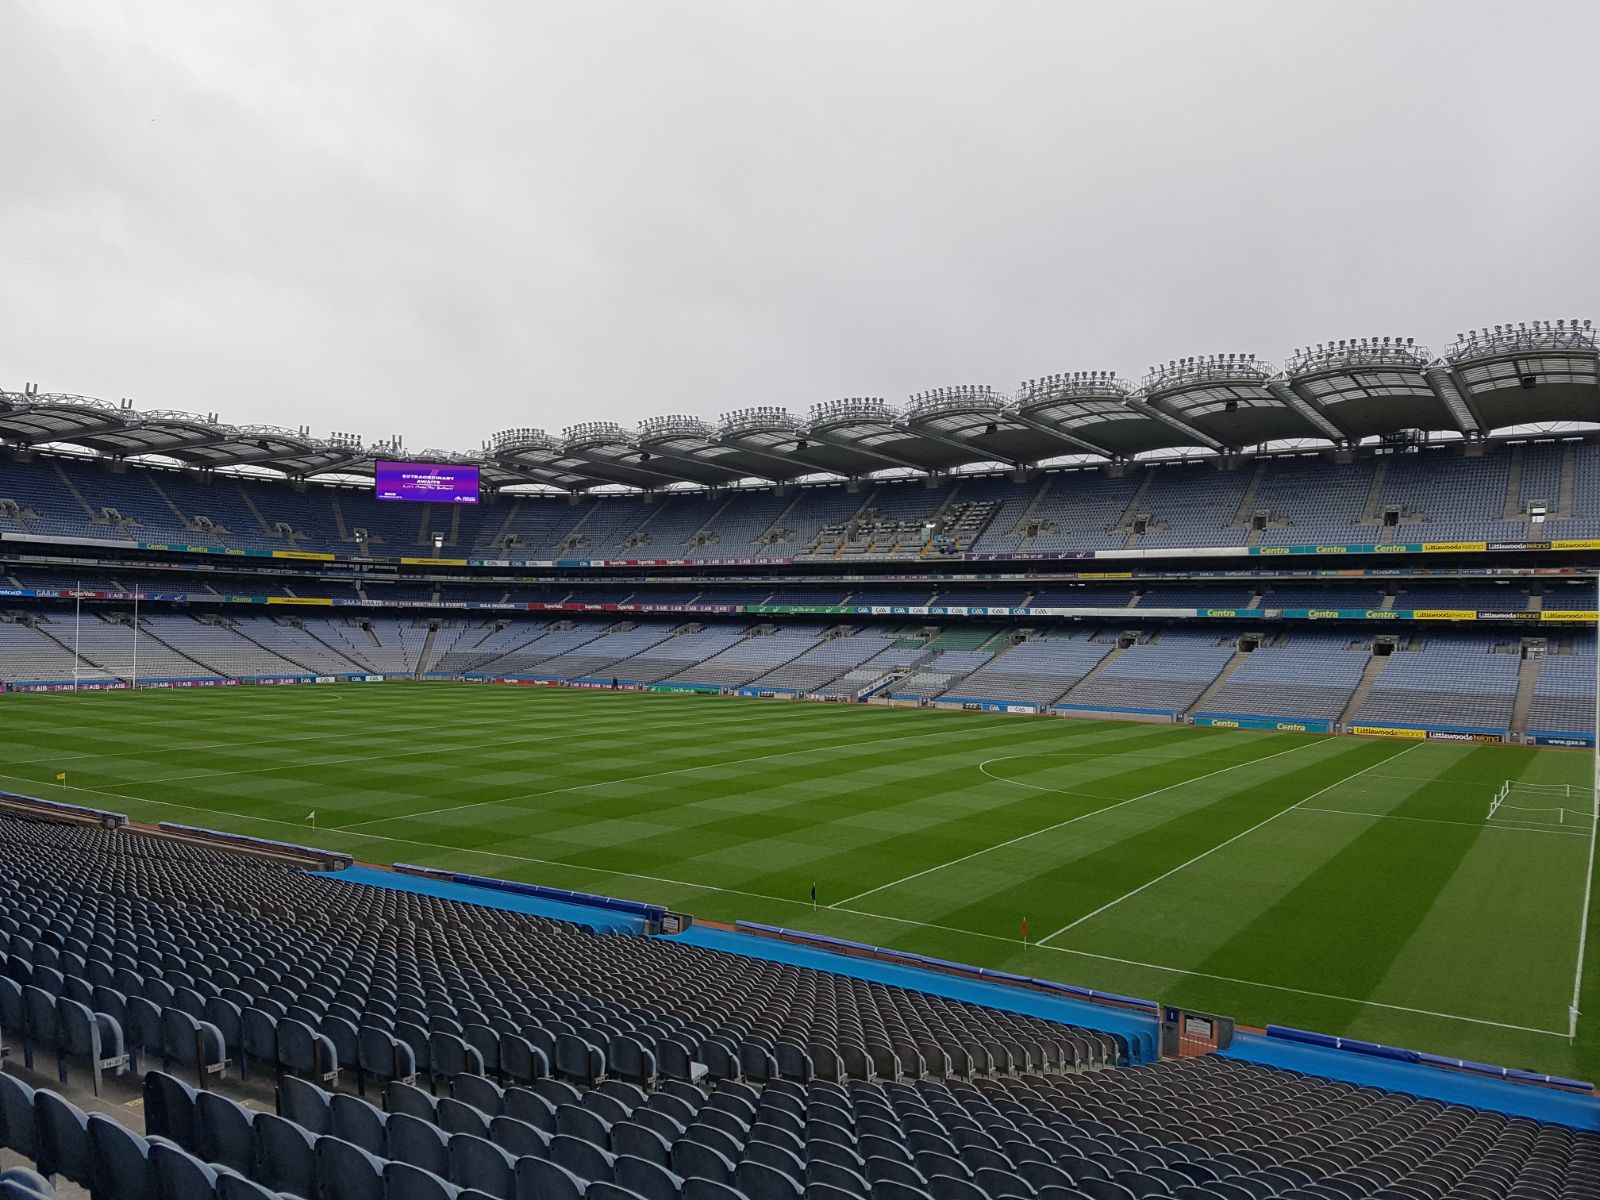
404 1181
453 1116
21 1183
237 1187
710 1189
169 1108
949 1187
611 1191
304 1103
228 1017
419 1143
695 1160
143 1030
449 1055
286 1157
583 1159
93 1037
478 1163
531 1108
18 1125
62 1142
346 1171
518 1138
193 1043
762 1182
384 1057
413 1101
820 1171
259 1033
306 1052
483 1094
359 1123
628 1058
225 1132
640 1141
121 1161
581 1122
520 1060
997 1183
541 1179
579 1060
649 1179
178 1174
41 1024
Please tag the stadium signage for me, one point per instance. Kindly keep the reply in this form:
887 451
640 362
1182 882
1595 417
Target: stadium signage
1449 735
189 683
1550 739
1388 731
1584 616
1444 614
93 686
1061 556
1274 723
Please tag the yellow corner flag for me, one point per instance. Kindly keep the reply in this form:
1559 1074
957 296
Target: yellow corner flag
61 776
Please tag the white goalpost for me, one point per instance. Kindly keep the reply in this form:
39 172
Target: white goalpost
1547 803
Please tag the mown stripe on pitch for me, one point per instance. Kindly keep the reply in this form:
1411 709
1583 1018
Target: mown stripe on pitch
1342 927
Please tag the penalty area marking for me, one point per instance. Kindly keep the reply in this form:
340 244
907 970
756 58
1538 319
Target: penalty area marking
1508 826
806 904
1208 853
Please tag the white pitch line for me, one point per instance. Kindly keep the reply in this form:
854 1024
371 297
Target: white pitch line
1506 825
1133 962
1208 853
1583 929
1061 824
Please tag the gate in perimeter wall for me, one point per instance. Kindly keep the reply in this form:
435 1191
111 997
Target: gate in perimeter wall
1187 1034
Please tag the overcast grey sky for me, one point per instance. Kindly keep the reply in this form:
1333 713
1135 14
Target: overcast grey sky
442 219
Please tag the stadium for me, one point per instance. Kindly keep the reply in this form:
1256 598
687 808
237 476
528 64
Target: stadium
525 673
951 798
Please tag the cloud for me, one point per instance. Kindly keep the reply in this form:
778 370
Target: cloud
440 222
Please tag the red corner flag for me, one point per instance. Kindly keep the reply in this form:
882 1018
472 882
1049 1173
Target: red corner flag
1024 928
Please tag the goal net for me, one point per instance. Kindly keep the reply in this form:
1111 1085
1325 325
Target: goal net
1544 803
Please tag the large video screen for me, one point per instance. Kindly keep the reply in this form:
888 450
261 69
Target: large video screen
433 483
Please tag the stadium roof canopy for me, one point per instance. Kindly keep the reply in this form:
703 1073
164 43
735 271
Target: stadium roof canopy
1504 377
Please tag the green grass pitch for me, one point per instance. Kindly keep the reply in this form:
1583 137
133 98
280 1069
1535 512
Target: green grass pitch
1339 884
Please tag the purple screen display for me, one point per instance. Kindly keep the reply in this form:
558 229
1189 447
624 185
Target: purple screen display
427 482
